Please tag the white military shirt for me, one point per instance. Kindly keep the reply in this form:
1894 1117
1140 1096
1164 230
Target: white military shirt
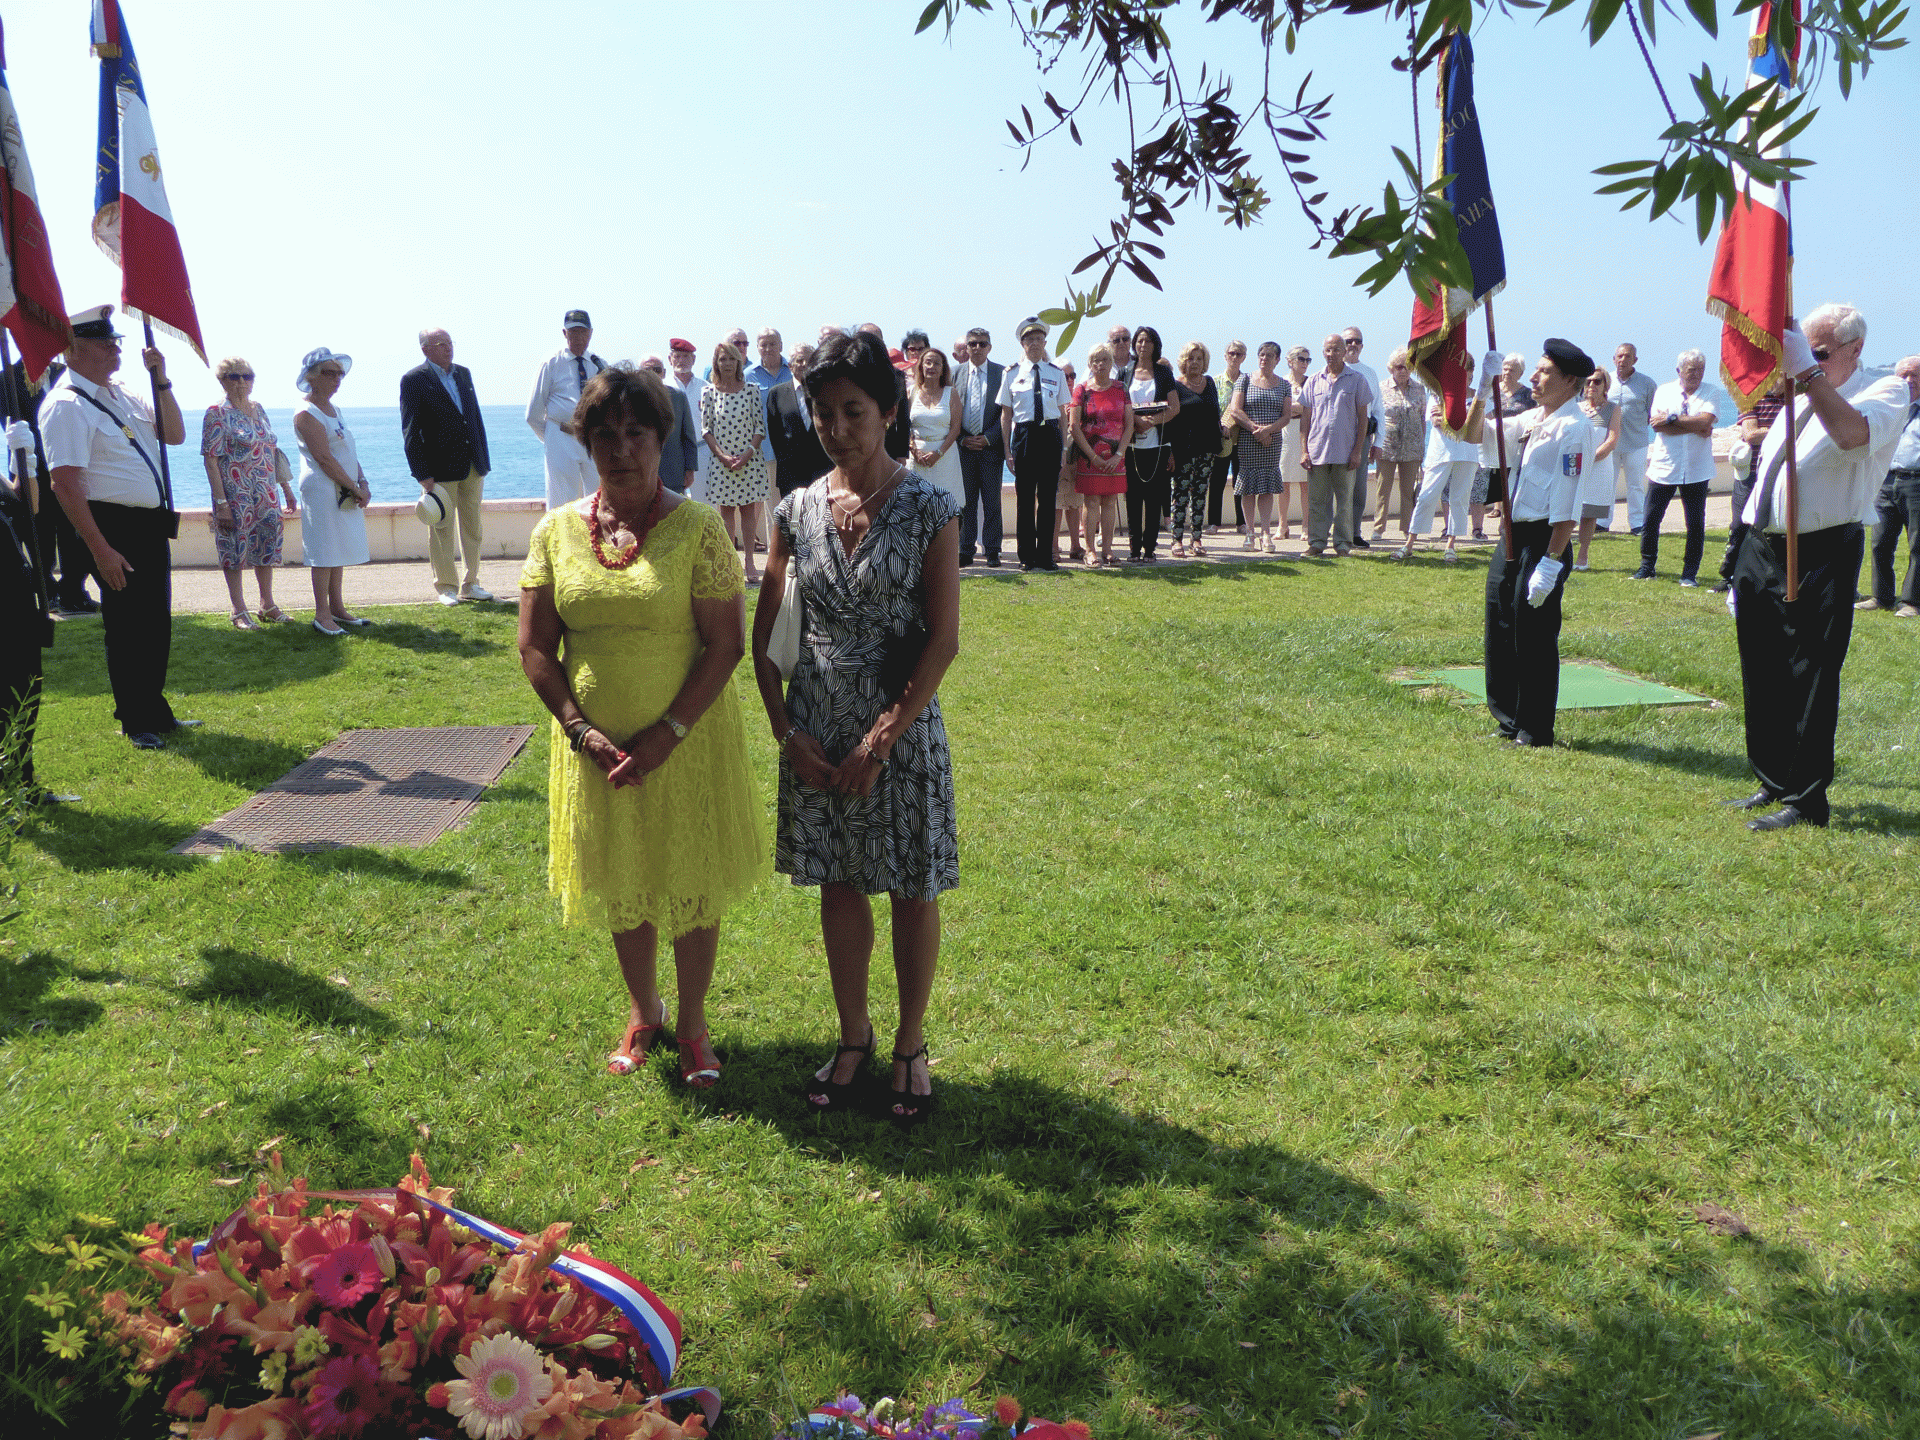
1558 453
1016 389
1837 487
556 389
72 432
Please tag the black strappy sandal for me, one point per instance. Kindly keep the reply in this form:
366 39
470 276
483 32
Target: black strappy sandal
910 1109
839 1096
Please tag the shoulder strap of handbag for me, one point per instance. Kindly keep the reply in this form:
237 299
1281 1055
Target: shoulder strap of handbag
127 430
1763 512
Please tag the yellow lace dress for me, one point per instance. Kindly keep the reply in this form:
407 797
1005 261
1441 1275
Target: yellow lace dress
681 847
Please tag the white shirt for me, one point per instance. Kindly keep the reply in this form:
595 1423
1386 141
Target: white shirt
1016 389
1373 387
72 432
558 380
1558 454
1634 396
1682 459
1837 487
1141 392
1444 449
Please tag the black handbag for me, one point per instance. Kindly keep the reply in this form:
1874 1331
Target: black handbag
899 658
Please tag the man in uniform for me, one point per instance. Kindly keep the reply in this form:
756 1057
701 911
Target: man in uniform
1554 443
1791 651
1898 509
1033 432
1632 391
25 626
105 462
446 442
556 390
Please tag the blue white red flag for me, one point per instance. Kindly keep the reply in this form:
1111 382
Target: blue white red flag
31 307
1750 286
132 221
1438 342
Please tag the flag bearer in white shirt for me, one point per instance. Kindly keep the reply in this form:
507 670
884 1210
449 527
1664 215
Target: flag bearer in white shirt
556 390
1524 592
1791 651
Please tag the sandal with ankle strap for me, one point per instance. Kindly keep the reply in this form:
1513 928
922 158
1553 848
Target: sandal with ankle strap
830 1094
908 1108
699 1066
636 1044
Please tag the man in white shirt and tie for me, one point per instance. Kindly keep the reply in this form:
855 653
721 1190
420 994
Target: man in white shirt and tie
982 453
1791 651
1033 432
556 390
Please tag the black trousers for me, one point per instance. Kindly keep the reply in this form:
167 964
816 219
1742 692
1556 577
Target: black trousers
138 618
1036 485
1896 510
1693 504
1523 641
1223 467
60 541
1149 479
26 632
1790 658
980 472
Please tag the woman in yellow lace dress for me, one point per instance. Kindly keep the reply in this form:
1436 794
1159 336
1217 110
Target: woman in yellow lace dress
632 620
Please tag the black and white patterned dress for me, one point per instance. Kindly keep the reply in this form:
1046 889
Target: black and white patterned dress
901 837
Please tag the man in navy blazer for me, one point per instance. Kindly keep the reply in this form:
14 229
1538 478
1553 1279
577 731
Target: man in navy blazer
799 458
446 444
983 458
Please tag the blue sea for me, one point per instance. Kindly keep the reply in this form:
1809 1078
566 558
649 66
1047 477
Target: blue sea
519 462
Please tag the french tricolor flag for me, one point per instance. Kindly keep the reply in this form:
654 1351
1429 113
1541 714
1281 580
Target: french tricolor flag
31 307
132 221
1749 289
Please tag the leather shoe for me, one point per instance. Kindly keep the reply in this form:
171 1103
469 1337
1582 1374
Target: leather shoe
1756 801
1785 818
1906 612
146 740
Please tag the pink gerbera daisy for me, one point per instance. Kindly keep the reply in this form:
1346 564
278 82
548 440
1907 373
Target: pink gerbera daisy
504 1382
345 1397
347 1276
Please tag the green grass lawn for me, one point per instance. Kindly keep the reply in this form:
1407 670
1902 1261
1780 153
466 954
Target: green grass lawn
1310 1064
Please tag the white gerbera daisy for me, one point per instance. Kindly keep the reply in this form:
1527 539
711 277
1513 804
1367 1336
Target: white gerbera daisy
504 1383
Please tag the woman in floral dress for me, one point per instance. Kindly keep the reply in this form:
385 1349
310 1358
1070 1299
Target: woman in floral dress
238 445
866 779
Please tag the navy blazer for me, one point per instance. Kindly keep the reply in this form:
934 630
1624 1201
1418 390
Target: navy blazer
442 443
799 459
680 451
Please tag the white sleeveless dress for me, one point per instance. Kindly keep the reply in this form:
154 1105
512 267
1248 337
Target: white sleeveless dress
329 535
930 424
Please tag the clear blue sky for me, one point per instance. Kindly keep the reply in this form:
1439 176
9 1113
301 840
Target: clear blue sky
346 174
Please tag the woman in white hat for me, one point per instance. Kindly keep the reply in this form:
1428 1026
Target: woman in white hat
333 489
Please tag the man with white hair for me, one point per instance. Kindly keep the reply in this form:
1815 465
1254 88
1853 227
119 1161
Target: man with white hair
1376 406
1680 462
1632 390
556 390
1791 651
769 371
1898 508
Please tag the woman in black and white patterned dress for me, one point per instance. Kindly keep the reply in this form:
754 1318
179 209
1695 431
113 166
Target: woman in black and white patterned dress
866 780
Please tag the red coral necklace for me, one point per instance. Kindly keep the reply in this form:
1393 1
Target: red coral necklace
631 545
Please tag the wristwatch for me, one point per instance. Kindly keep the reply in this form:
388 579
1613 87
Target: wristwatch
679 730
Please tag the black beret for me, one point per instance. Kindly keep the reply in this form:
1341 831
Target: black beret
1569 358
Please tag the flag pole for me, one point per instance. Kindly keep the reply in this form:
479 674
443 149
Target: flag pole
1500 443
159 426
1793 498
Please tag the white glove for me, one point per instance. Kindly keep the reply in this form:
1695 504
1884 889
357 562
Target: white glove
1490 367
19 436
1796 355
1545 576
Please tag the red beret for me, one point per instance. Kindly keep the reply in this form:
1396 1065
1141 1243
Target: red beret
677 344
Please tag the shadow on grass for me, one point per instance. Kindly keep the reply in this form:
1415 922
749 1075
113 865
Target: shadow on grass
83 839
26 1009
426 640
247 980
206 657
1875 818
1693 759
1243 1290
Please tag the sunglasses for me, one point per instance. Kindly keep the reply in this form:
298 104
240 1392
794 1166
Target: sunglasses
1821 352
976 345
333 374
238 375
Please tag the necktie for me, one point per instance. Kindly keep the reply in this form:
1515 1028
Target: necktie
580 369
1039 397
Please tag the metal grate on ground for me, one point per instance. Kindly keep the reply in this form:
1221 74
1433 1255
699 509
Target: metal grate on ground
370 787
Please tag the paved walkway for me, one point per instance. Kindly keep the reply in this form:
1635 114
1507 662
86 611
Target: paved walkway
409 582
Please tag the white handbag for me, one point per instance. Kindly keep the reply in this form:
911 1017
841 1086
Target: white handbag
783 646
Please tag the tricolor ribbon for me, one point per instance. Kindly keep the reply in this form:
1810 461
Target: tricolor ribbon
658 1326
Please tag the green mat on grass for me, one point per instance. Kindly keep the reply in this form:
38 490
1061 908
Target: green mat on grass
1582 687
